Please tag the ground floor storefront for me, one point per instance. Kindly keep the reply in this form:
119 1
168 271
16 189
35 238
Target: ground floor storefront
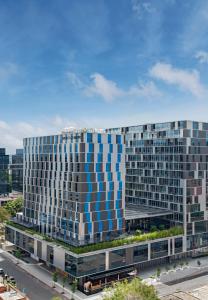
98 269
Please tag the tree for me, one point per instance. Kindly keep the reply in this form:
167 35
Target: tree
4 214
162 227
14 206
158 272
153 228
18 253
54 277
134 290
74 286
64 278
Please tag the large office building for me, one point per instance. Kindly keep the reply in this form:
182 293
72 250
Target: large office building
74 186
16 168
167 168
74 182
5 186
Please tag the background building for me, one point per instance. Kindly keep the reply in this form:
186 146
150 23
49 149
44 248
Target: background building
16 168
5 184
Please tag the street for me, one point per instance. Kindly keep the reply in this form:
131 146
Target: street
34 289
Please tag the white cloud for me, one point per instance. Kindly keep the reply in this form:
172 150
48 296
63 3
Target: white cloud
146 90
74 80
185 79
109 91
139 7
103 87
202 56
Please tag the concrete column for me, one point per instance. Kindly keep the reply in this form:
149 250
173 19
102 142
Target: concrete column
173 246
107 262
184 244
149 251
169 247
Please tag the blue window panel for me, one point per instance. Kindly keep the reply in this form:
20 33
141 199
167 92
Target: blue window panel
89 228
89 137
99 177
117 204
98 216
98 167
111 148
61 139
88 177
119 158
109 195
55 148
64 148
90 187
120 223
91 148
118 139
118 213
111 186
97 206
107 205
88 198
118 176
109 214
76 148
108 167
101 187
109 138
56 139
119 194
109 157
110 225
99 157
87 167
117 167
100 226
109 176
50 139
120 148
87 215
120 185
98 196
99 138
86 207
88 157
101 148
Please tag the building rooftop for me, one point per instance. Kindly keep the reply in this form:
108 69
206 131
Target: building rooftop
141 212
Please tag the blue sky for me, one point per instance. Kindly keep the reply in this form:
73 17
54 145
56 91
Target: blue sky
100 63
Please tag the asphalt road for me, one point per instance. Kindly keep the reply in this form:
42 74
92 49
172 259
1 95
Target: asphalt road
34 289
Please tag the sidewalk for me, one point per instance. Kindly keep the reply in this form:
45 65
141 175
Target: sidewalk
43 275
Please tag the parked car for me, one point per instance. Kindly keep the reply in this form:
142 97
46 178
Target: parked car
11 280
1 272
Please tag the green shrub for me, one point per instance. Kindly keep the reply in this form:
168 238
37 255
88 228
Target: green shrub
174 231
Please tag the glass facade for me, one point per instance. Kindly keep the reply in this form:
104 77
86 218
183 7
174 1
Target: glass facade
5 186
74 186
17 171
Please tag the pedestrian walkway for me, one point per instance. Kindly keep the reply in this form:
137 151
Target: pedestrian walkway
43 275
